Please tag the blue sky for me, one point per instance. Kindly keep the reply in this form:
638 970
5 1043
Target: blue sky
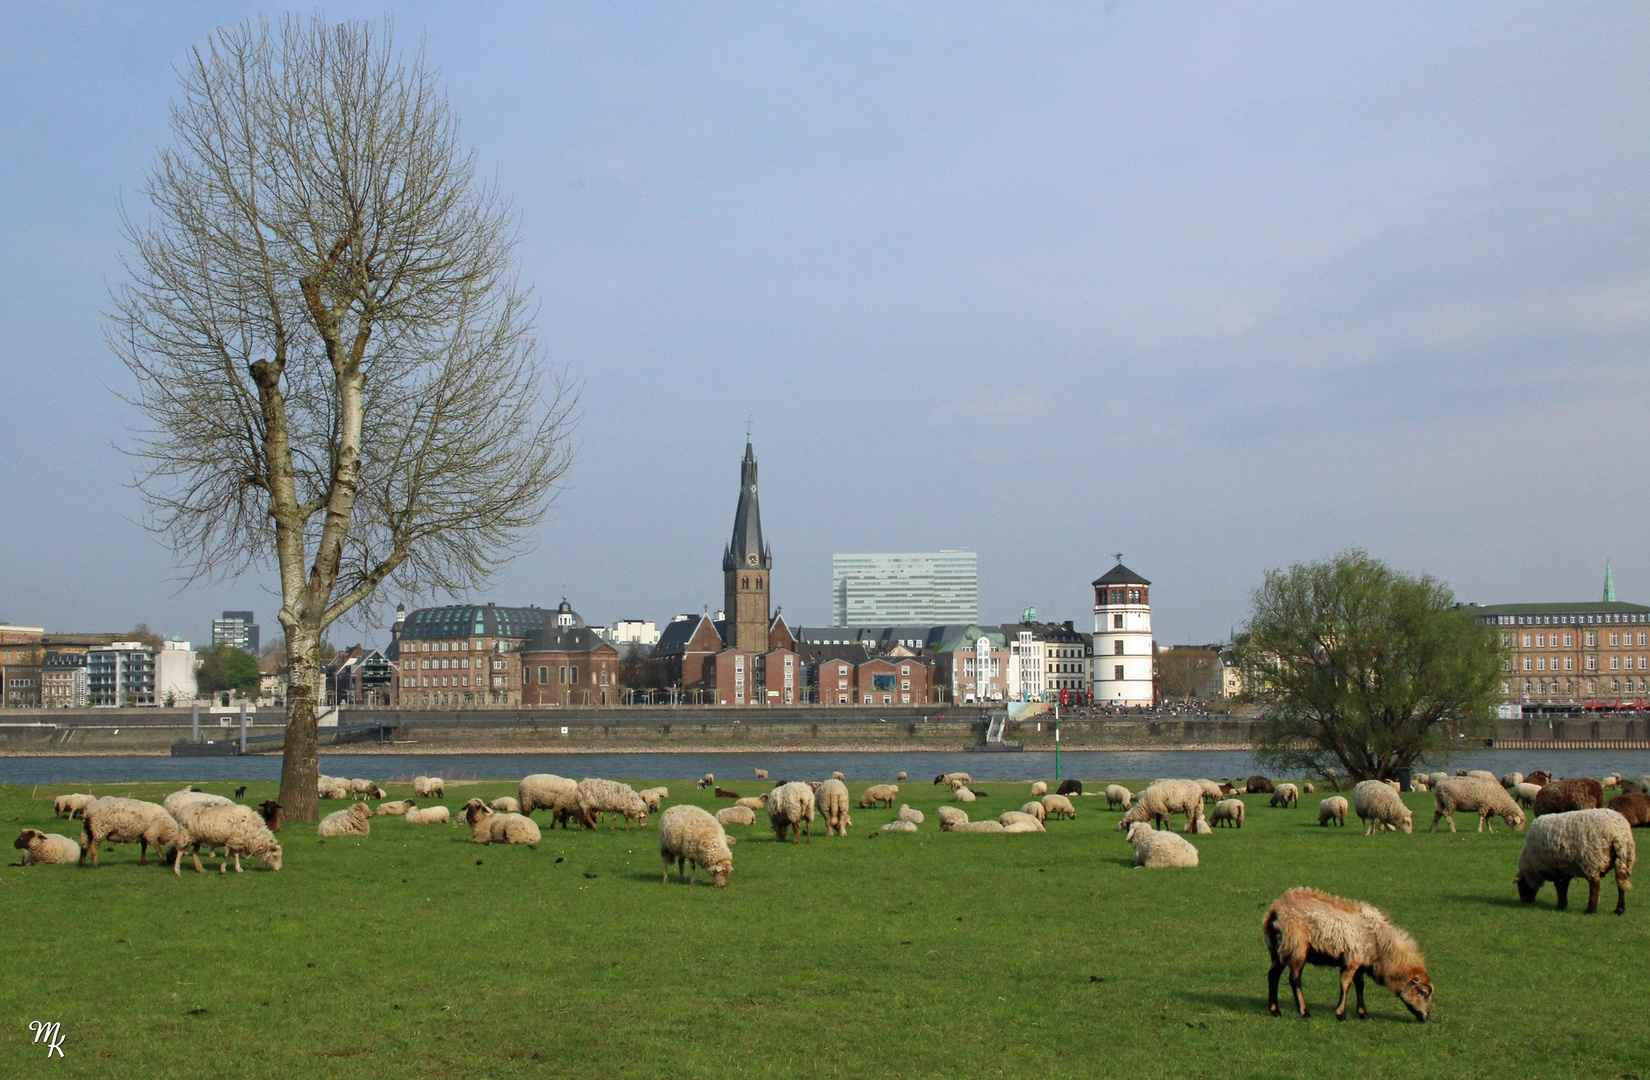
1222 287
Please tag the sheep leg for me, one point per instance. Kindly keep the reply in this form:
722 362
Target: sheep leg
1346 984
1562 887
1358 982
1271 985
1295 969
196 855
1621 895
237 862
1592 895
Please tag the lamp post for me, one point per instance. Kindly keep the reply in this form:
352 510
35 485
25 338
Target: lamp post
1057 744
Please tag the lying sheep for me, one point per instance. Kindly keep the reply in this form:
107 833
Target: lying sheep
365 789
126 821
547 791
1634 807
1287 796
46 849
962 794
690 835
1036 809
1577 844
900 826
1418 783
355 821
736 815
1305 926
1332 809
1117 796
1525 793
429 815
397 808
1561 796
504 804
1377 804
70 806
609 797
239 830
489 827
954 820
1474 793
951 779
1164 798
879 795
832 800
791 806
724 793
1229 812
913 816
330 787
1039 789
1058 806
429 787
1013 817
755 802
1021 826
1155 850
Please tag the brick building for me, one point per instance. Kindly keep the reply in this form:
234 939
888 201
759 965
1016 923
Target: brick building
568 663
1581 653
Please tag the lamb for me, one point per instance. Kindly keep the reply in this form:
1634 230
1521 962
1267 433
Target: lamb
724 793
1560 796
1633 806
1229 812
1577 843
734 815
71 805
429 815
398 808
1512 779
611 797
1287 796
1484 795
688 834
1058 806
1117 796
1211 790
962 794
489 827
270 811
832 800
1305 926
1203 828
429 787
1378 805
1069 787
355 821
46 849
952 778
1039 789
187 796
791 806
1332 809
1258 785
755 802
1036 809
1164 798
1155 850
761 774
239 830
879 795
366 789
900 826
913 816
540 792
1016 817
954 820
126 821
504 804
1483 774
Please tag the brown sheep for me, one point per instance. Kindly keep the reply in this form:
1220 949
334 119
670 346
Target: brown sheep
1540 778
724 793
1305 926
1634 807
270 811
1562 796
1258 785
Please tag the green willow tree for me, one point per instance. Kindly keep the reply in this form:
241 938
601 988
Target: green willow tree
1363 670
329 343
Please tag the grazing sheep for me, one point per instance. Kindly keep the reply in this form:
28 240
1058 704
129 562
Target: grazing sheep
1577 843
1117 796
1305 926
1483 794
900 826
951 779
879 795
46 849
954 820
832 800
1058 806
1613 780
71 806
126 821
653 795
838 776
541 791
724 793
791 806
190 796
504 804
1512 779
1155 850
913 816
1561 796
1377 804
429 787
610 797
1332 809
736 815
1308 787
755 802
1634 807
690 835
761 774
1164 798
488 827
1258 785
365 789
1228 812
1036 809
962 794
398 808
239 830
1069 787
901 778
1287 796
1039 789
429 815
270 811
1211 790
1526 793
1483 774
1012 817
355 821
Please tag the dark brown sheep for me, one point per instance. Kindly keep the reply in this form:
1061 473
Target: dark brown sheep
1572 793
270 811
1259 785
1634 807
1540 778
724 793
1067 787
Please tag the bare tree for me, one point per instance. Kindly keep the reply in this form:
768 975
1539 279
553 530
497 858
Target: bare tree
332 351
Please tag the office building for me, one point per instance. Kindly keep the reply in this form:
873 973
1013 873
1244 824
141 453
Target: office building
908 587
236 628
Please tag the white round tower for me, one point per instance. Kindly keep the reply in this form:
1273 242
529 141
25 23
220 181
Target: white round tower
1123 655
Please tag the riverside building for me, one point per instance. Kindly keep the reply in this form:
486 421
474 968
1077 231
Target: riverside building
910 587
1122 669
1578 653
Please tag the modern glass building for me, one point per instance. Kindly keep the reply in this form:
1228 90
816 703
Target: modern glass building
905 588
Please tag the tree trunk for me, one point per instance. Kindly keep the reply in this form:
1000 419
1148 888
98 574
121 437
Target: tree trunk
300 765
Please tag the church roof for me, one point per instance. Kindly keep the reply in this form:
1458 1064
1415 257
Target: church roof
1120 575
746 548
566 639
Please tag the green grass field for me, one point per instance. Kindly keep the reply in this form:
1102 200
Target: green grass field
413 953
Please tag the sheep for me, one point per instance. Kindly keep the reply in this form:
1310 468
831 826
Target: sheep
1541 778
1017 826
688 834
1526 792
838 776
505 804
1286 796
879 795
1036 809
1394 785
901 778
355 821
755 802
708 780
900 826
1378 804
1308 787
1332 809
1058 806
1633 806
1039 789
1418 783
71 805
1577 843
1613 780
239 830
328 787
270 811
1164 798
1433 779
791 806
46 849
1155 850
954 820
1258 785
962 794
1229 812
761 774
913 816
429 815
1512 779
489 827
1305 926
1483 774
398 808
429 787
1211 790
952 778
366 789
1559 796
1486 796
126 821
832 800
1069 787
652 796
1640 786
736 815
1117 796
611 797
1203 828
540 791
724 793
188 796
1013 817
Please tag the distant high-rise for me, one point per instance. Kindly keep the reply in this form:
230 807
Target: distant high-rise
236 628
907 587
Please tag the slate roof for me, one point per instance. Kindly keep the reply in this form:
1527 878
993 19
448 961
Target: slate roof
1580 607
571 639
746 547
1120 575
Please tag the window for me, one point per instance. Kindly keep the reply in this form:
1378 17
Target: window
1134 596
905 669
842 684
561 675
1541 641
882 682
1526 641
1569 663
1528 664
1592 663
1613 637
1615 663
1117 672
544 675
1117 649
1541 663
1590 638
1569 640
1117 622
575 674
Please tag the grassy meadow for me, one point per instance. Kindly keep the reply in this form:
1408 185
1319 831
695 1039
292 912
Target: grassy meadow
413 953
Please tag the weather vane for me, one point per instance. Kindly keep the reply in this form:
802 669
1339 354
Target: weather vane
1118 555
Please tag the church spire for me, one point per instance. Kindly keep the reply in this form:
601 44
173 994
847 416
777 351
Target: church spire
1609 585
746 550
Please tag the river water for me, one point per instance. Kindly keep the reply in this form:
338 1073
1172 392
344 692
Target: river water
732 768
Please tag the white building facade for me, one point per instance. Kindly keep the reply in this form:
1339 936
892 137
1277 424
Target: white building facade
1027 663
929 587
175 665
1121 671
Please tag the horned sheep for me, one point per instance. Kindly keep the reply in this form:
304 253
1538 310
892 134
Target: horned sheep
1378 805
355 821
46 849
1228 812
239 830
1577 844
1305 926
832 800
791 807
71 806
1332 809
1164 798
126 821
1475 793
429 815
1154 850
690 835
879 794
1117 796
489 827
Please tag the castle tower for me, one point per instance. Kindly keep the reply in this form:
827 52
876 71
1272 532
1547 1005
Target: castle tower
745 569
1123 655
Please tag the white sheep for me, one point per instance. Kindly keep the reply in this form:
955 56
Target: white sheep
832 801
126 821
1434 778
1154 850
547 791
70 806
755 802
1512 779
1058 806
951 779
652 797
428 815
1117 796
46 849
838 776
1377 804
354 821
1286 795
689 834
330 787
736 815
1229 812
610 797
1039 789
1577 844
1308 787
1482 774
962 794
791 807
900 826
1021 826
1211 790
397 808
879 794
505 804
1036 809
954 820
365 789
1163 799
1418 782
490 827
1332 809
1012 817
429 787
907 814
901 778
176 801
1474 793
239 830
761 774
1525 792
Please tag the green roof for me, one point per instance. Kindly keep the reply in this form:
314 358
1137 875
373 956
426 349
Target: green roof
1581 607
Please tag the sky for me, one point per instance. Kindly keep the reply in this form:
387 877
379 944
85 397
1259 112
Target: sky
1220 287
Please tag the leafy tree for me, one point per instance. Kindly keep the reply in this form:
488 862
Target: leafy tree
1187 672
1363 670
224 667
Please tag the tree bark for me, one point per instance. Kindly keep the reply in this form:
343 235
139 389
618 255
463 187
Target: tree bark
300 766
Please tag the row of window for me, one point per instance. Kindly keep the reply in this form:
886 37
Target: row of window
1542 686
1539 663
1589 640
443 646
1571 620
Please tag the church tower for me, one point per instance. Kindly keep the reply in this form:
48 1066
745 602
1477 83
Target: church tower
745 569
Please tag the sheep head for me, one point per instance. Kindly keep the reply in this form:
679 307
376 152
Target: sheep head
25 838
1416 994
273 858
